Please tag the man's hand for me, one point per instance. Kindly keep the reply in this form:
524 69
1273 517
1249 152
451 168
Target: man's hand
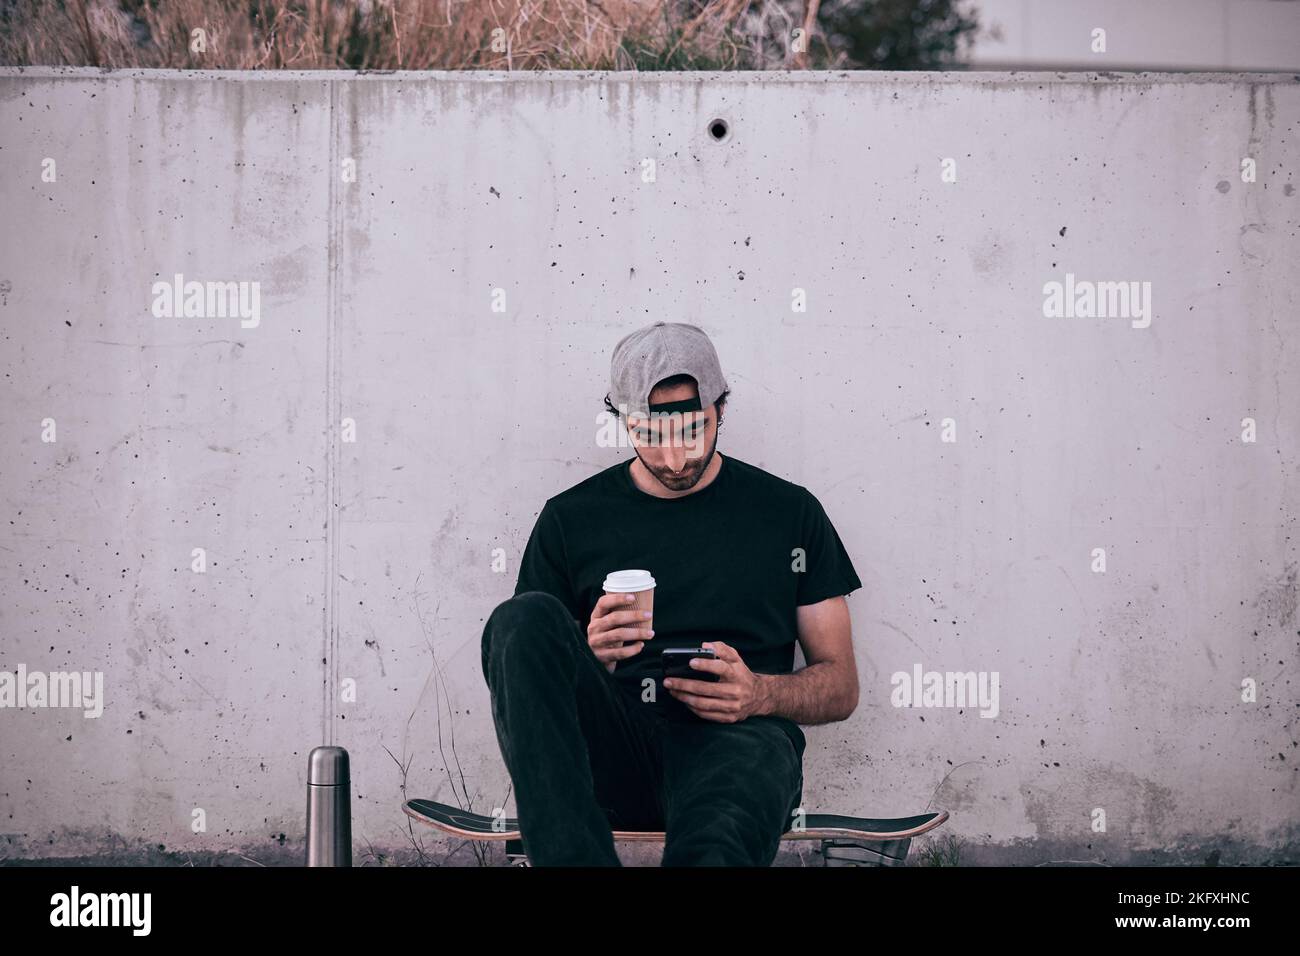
617 630
739 692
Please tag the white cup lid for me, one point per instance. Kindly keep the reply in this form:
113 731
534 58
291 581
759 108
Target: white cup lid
618 582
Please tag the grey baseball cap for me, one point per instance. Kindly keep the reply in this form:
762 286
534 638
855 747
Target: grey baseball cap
658 351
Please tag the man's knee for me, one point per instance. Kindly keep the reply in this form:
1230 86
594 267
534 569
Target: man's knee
533 618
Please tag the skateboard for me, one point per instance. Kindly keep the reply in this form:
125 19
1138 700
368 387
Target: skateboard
845 841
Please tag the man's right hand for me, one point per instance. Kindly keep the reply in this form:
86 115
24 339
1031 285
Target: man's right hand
617 630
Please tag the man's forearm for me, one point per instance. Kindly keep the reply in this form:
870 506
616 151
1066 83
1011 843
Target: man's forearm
817 694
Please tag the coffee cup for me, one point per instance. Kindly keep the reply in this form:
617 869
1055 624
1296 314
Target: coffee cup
641 585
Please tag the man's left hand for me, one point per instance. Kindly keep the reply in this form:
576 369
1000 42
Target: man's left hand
737 694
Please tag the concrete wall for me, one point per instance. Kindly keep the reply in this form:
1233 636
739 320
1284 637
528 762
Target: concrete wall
372 561
1150 35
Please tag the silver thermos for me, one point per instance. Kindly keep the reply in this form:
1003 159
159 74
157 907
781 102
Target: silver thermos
329 808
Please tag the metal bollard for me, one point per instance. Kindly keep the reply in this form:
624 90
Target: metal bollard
329 808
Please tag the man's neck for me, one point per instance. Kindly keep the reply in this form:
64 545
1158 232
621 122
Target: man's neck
651 486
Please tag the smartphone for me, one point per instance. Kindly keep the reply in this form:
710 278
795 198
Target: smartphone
677 663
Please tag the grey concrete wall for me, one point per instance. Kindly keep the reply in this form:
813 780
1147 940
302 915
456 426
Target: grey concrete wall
334 564
1151 35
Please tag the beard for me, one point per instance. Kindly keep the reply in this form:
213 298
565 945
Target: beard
689 478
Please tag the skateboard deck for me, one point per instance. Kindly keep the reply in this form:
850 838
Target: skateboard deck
816 826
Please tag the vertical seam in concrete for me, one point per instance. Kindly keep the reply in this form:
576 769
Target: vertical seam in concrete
331 427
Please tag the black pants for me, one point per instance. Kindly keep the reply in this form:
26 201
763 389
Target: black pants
585 757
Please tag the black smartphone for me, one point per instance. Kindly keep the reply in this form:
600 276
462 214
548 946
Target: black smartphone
677 663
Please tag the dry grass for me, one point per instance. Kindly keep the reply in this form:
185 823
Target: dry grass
399 34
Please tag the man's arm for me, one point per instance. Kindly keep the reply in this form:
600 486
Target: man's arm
827 689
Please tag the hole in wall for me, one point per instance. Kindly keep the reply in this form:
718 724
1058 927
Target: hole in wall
719 130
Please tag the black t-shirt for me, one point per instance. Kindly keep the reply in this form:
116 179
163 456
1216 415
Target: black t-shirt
723 559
